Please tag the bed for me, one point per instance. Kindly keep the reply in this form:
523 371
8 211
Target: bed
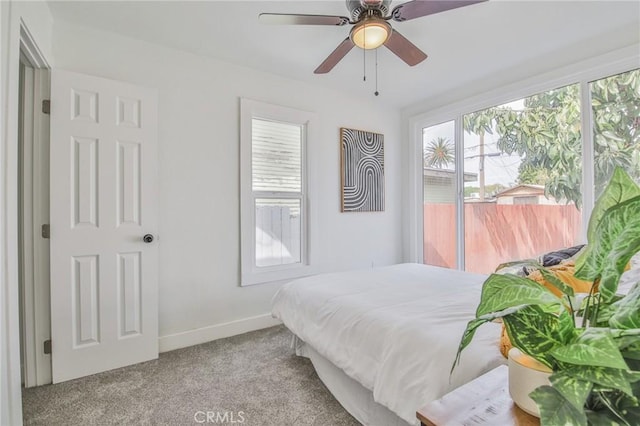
383 340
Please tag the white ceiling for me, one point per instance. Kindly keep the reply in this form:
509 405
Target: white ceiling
466 46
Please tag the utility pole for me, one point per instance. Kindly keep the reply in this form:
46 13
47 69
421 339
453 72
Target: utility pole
481 156
481 168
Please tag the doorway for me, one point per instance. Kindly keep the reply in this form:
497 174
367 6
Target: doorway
33 216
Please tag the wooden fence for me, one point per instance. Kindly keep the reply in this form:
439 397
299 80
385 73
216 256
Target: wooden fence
496 233
277 236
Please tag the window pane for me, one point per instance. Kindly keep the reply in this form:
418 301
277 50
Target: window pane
526 201
439 195
278 226
616 126
276 156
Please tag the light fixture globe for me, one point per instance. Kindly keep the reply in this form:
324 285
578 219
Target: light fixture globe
371 33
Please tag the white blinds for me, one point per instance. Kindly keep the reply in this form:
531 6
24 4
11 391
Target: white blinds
276 156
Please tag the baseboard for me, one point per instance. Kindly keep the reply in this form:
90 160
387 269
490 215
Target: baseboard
214 332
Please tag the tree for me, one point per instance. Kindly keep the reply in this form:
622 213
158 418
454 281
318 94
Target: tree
439 153
616 111
547 134
491 189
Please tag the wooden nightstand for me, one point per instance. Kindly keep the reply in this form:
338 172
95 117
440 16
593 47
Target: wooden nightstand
483 401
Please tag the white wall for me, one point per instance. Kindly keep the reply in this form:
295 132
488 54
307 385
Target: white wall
199 173
37 19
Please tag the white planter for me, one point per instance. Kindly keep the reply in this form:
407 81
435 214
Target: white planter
525 375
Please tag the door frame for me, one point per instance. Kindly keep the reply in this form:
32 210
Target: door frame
33 183
14 33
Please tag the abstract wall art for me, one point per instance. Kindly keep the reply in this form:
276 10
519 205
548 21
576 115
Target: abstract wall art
362 158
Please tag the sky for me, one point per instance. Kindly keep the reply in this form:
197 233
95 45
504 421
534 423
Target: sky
501 169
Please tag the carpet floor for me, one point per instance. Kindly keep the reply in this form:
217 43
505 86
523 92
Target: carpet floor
251 379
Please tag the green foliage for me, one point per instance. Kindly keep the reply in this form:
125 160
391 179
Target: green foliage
596 369
491 189
617 239
573 389
439 153
538 333
620 188
504 291
555 409
595 346
627 311
546 134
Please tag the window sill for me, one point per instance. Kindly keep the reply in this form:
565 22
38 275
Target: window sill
272 276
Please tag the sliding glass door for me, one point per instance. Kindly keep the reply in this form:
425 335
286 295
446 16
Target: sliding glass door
439 194
523 187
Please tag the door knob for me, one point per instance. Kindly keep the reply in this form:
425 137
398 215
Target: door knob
148 238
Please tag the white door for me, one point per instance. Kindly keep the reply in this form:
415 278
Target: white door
104 275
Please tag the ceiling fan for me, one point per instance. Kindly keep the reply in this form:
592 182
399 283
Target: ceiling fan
371 28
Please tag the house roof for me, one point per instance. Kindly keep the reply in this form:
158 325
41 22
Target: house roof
523 189
447 173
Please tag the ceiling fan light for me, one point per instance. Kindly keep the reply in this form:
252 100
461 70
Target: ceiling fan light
370 34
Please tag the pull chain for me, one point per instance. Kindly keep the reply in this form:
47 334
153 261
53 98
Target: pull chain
364 55
376 92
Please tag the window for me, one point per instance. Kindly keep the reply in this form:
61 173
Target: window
526 173
526 199
274 228
615 103
523 201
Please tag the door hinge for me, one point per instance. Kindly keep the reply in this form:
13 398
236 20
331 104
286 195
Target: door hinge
46 231
46 106
47 347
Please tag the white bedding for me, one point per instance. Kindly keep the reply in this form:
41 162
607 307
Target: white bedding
394 329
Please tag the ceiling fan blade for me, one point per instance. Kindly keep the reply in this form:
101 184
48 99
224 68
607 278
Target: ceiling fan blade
418 8
404 49
293 19
335 56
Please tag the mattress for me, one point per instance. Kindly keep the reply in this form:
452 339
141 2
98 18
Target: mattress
395 330
355 398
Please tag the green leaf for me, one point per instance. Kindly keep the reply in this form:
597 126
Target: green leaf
537 332
602 418
631 352
555 409
594 347
627 310
609 378
549 276
629 344
468 334
552 279
504 291
572 388
619 189
617 240
525 262
473 325
619 405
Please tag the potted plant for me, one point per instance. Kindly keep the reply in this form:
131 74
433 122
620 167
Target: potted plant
595 362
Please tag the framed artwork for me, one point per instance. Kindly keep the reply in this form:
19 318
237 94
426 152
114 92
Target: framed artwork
362 168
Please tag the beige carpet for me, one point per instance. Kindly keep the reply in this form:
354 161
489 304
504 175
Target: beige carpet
251 379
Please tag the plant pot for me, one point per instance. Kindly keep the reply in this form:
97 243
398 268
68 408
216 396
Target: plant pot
525 375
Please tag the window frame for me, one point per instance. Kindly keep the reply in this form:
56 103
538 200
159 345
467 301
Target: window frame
581 73
251 273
